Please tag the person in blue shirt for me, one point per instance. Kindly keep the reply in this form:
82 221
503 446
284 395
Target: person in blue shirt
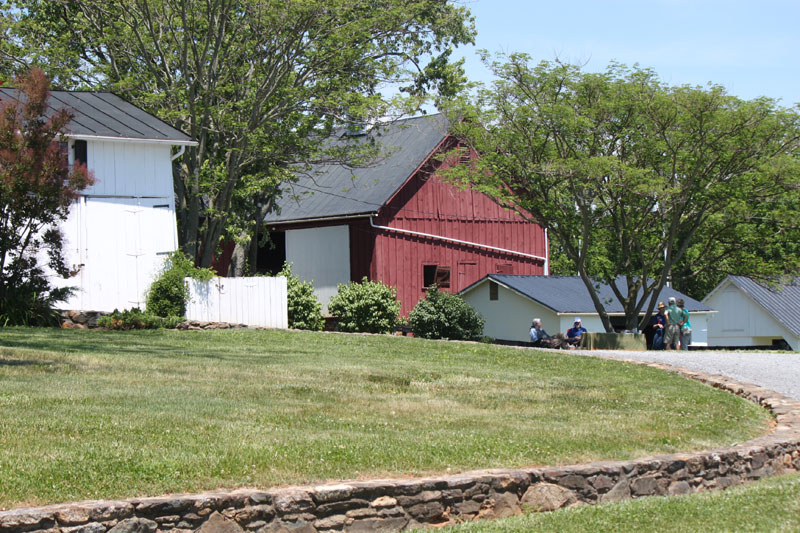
540 338
575 332
659 326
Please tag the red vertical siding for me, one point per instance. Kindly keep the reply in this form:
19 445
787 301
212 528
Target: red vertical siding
428 205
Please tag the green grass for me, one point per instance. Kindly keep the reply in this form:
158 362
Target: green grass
100 414
768 505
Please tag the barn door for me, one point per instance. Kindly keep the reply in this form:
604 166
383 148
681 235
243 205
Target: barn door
126 242
467 274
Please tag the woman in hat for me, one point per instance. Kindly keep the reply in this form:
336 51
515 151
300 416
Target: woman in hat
659 325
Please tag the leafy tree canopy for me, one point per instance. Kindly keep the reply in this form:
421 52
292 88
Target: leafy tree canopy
258 83
633 177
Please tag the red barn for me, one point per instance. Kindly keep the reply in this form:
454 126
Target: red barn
397 222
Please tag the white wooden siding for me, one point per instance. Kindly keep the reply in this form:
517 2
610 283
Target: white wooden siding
321 256
120 230
129 169
254 301
743 322
117 246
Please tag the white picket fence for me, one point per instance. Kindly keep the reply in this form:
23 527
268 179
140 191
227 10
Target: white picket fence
253 301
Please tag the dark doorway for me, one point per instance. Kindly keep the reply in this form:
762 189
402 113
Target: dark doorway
271 253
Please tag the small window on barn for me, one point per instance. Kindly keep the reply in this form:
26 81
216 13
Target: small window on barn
436 275
505 268
80 151
494 293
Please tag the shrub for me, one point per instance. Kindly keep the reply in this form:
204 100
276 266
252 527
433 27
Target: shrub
135 318
369 306
169 294
442 315
27 298
305 311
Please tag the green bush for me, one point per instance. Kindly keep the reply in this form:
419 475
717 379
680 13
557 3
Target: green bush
369 306
168 294
135 318
442 315
305 311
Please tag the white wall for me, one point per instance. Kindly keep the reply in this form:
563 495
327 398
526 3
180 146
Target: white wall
120 230
509 317
321 256
742 322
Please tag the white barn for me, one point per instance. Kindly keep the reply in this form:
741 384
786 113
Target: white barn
510 302
120 229
753 314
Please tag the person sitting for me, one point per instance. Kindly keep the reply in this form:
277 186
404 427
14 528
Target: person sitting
575 332
540 338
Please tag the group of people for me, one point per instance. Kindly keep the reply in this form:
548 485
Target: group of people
541 339
673 331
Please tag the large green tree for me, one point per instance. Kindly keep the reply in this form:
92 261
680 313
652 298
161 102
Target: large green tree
258 83
632 177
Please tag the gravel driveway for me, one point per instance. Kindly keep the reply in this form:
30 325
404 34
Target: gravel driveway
777 371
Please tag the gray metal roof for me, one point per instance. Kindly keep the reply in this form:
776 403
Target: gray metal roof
782 301
330 191
103 114
568 294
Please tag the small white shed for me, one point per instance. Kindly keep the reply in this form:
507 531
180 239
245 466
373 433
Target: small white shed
120 229
753 314
510 302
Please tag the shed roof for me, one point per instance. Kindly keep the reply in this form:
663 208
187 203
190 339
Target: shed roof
332 191
106 115
782 302
568 294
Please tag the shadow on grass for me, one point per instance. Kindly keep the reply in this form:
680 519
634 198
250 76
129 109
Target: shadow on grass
157 343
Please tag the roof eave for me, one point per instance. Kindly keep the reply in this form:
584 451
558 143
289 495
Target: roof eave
171 142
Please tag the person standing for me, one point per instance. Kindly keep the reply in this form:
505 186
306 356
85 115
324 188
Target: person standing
659 327
686 328
674 322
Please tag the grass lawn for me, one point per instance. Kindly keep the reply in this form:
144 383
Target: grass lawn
764 506
99 414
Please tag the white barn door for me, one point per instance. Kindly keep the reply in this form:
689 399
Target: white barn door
122 243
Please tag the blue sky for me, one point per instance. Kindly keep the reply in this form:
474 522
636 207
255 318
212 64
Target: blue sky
750 47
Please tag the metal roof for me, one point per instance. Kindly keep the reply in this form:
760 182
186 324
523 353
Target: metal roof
568 294
334 191
781 301
106 115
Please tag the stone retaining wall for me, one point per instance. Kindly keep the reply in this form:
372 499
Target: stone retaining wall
383 505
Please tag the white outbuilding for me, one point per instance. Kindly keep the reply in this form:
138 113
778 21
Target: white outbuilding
754 314
510 302
120 229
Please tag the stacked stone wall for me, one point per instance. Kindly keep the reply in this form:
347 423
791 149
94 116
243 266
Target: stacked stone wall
384 505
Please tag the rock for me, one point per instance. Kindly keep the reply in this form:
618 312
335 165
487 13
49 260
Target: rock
547 497
92 527
426 512
134 525
295 501
217 523
620 491
679 487
383 501
644 486
506 504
